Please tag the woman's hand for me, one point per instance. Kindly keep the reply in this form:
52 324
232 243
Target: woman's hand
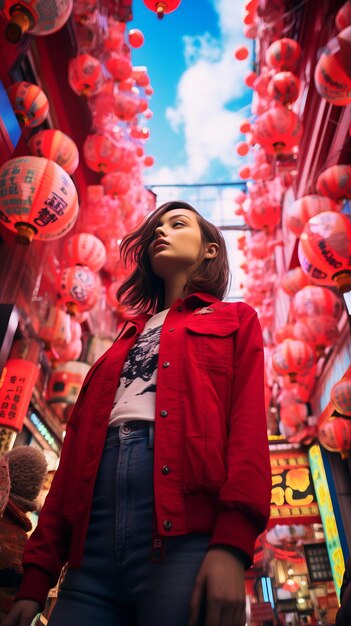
22 613
221 581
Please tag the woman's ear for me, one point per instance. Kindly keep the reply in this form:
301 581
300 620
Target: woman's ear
211 250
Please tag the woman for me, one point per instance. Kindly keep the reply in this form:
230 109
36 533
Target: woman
160 493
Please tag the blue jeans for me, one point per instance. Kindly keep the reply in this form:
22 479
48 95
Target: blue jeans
118 575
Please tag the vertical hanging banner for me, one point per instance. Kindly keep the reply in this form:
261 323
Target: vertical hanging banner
332 539
293 499
16 387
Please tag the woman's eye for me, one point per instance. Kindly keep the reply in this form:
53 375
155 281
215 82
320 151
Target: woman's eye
178 222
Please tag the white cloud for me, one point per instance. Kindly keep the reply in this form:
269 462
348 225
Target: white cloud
203 111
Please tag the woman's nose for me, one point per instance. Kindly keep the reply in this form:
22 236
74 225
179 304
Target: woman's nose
159 231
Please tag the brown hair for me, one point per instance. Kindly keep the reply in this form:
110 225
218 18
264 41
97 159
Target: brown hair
143 290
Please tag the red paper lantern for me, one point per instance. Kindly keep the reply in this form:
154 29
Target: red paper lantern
283 54
38 17
332 74
335 182
249 79
299 212
335 436
250 31
115 38
264 214
85 249
149 161
55 145
66 381
340 396
136 38
29 103
284 87
242 148
320 331
244 172
119 65
85 75
261 84
78 288
278 130
18 378
49 211
343 16
241 53
68 352
126 105
294 280
140 75
316 300
139 132
292 357
161 7
293 414
103 155
245 126
55 327
116 184
324 249
284 332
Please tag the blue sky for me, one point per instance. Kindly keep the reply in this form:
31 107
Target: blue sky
199 89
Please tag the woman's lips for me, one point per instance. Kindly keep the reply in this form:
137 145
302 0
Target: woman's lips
159 243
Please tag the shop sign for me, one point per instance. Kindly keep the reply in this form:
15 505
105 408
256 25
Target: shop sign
332 539
16 387
293 499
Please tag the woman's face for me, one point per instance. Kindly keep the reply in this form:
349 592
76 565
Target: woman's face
177 245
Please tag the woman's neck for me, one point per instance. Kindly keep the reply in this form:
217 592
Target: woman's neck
174 289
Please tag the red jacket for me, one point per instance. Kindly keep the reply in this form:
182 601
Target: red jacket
210 429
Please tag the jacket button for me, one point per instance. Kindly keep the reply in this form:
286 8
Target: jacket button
163 413
180 308
166 364
165 470
167 524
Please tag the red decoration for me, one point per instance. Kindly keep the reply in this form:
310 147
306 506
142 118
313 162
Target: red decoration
332 75
149 161
55 145
284 332
17 383
263 214
66 381
39 17
320 331
50 211
161 7
278 130
29 103
343 16
283 54
242 148
85 75
324 249
244 172
136 38
78 288
292 357
293 414
116 184
299 212
241 53
316 300
103 155
335 182
126 105
284 87
335 436
55 327
294 280
249 79
85 249
340 396
119 65
140 75
245 126
291 585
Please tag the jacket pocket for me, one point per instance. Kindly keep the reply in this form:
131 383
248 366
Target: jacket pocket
212 341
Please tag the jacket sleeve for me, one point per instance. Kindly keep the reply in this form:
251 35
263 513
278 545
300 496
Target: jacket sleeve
244 499
46 549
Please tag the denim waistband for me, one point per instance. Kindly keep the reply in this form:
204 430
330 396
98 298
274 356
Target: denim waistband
130 430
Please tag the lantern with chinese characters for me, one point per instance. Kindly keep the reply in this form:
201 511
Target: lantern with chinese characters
55 327
320 331
283 54
317 300
284 87
292 357
161 7
18 379
335 435
78 288
29 103
294 280
55 145
335 182
324 250
278 130
85 249
116 184
38 199
66 381
340 396
38 17
299 212
85 75
103 155
332 75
